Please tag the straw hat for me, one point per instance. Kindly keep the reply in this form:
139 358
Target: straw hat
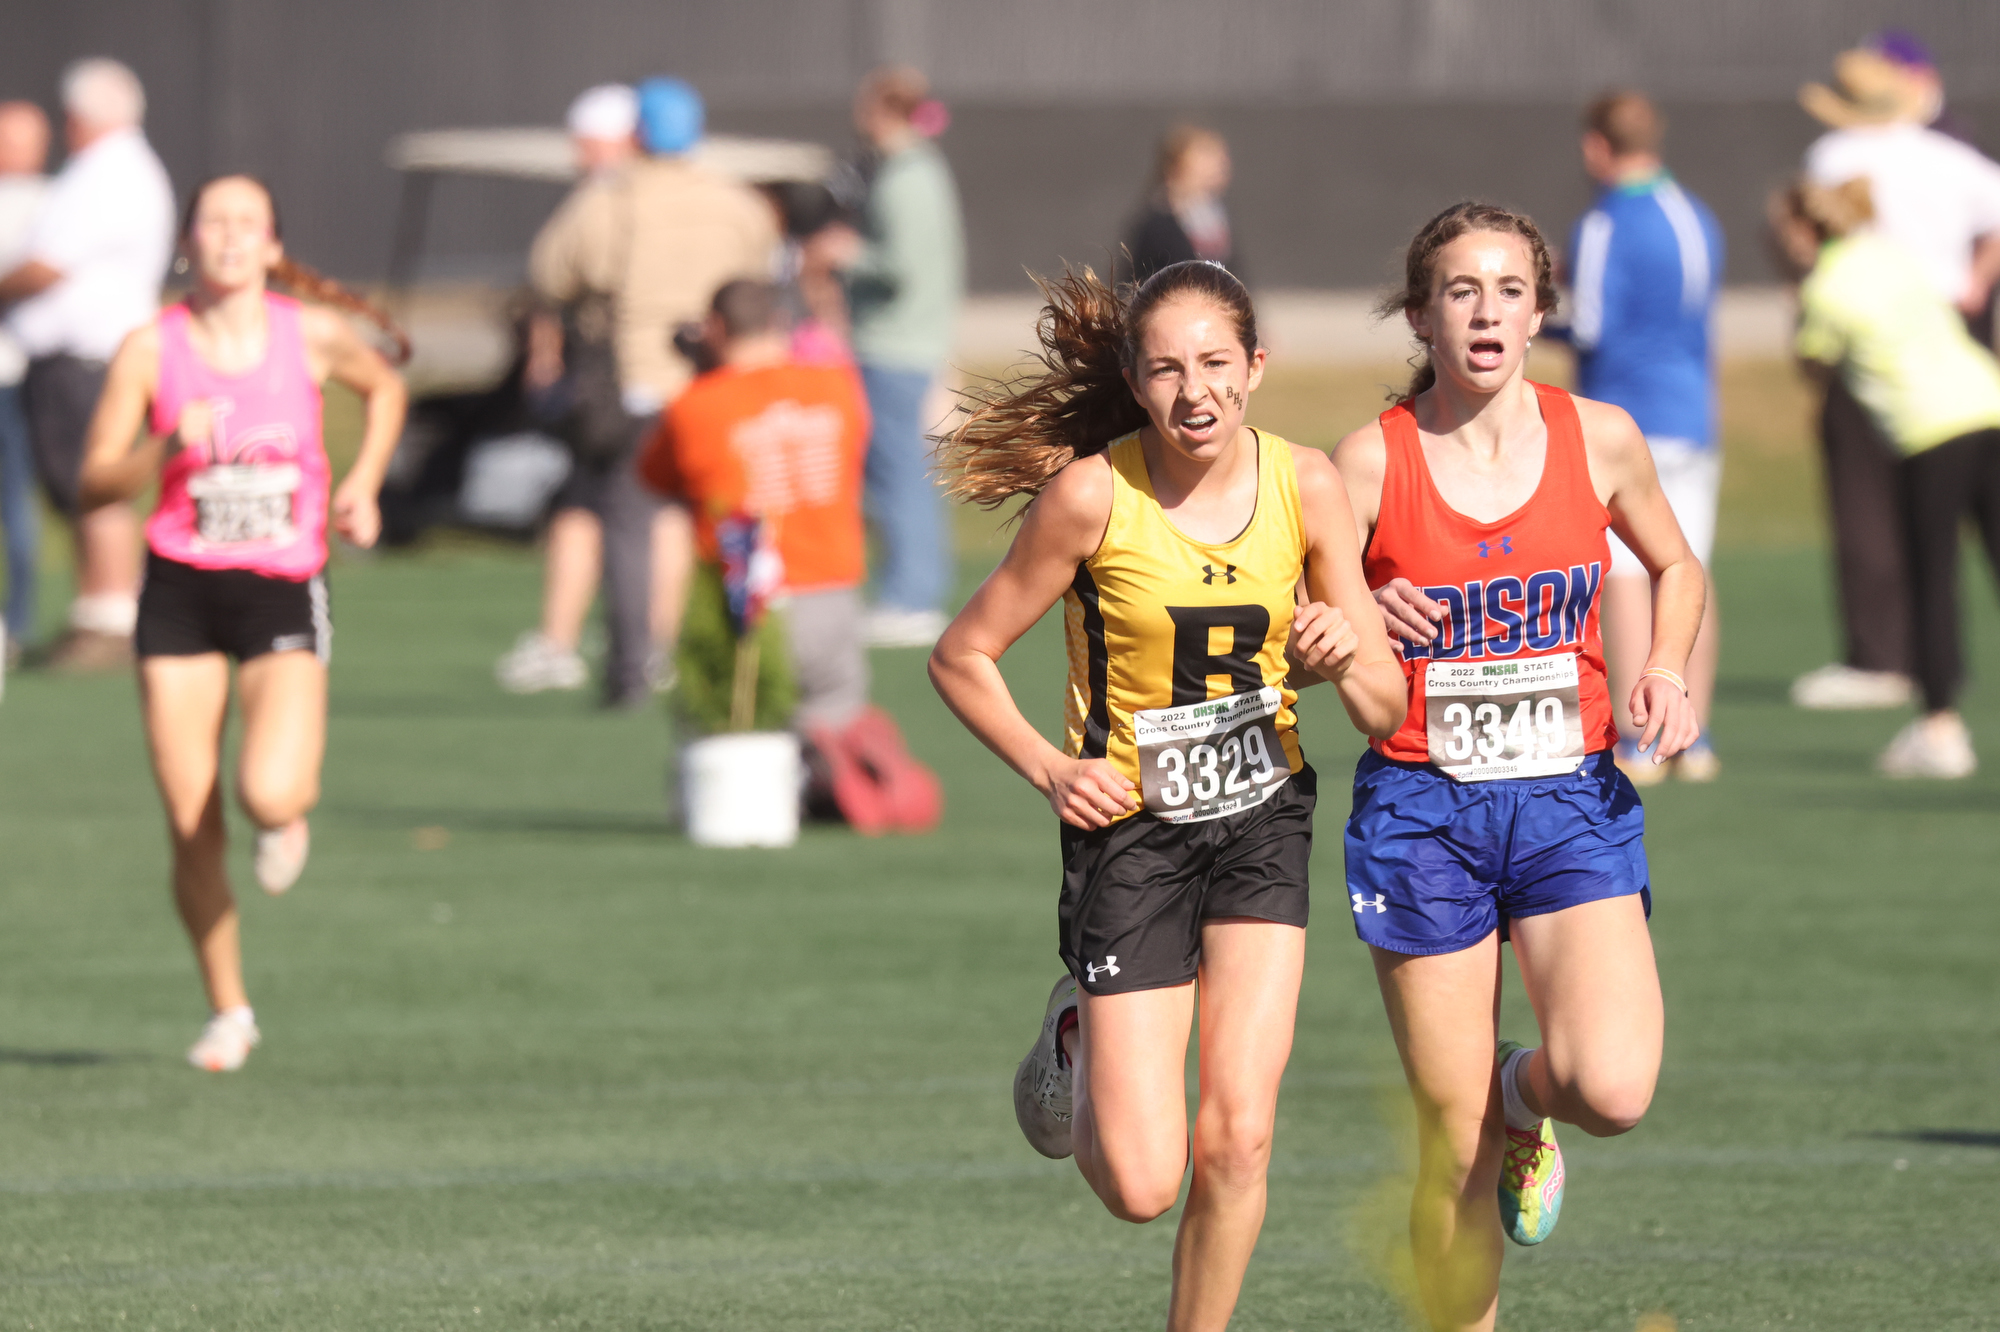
1870 89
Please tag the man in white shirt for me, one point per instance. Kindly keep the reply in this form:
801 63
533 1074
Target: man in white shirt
24 150
1939 199
96 256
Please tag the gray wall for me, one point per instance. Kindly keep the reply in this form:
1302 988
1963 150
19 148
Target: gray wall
1351 122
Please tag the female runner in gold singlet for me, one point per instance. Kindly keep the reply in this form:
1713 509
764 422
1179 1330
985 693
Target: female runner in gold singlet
1182 543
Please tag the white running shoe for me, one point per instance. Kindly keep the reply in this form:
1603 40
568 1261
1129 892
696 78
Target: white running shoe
535 664
225 1042
281 856
1930 747
888 627
1042 1097
1837 687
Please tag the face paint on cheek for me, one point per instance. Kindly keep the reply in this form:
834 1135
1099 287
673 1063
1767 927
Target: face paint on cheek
1229 392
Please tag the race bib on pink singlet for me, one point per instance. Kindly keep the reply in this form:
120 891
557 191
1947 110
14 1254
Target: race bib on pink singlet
1486 720
236 503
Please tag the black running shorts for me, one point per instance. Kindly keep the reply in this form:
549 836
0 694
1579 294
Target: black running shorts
1135 894
185 612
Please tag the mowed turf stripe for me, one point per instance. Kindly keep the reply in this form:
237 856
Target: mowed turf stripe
560 1070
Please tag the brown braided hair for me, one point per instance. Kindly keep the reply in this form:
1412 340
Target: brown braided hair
308 284
1420 270
1019 432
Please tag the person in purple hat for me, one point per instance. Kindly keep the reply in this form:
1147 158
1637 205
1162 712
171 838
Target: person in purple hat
1907 51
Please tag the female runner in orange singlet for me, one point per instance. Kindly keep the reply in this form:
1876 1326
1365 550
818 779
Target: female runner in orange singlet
1495 813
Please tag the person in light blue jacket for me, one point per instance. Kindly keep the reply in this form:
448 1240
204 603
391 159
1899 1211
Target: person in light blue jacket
1645 266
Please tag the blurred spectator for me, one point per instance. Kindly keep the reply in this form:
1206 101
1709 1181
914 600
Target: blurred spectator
638 251
604 130
808 271
1940 200
905 278
1184 217
767 436
95 259
1647 263
24 150
1871 315
1909 53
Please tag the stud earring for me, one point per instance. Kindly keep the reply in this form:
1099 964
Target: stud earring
181 264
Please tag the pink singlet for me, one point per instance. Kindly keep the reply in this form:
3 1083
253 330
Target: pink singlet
256 499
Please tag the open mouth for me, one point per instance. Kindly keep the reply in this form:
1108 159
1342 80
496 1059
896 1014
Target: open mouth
1486 353
1197 422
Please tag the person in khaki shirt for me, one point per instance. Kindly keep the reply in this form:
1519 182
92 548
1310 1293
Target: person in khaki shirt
659 235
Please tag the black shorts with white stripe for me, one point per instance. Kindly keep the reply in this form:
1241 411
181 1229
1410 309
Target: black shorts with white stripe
185 612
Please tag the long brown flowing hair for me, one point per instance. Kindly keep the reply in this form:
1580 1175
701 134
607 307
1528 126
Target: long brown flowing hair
1019 432
306 283
1420 270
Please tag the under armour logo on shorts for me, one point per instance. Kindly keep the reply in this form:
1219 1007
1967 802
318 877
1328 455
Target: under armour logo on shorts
1361 904
1110 968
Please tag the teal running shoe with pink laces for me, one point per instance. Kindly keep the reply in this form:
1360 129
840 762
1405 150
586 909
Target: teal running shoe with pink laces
1531 1177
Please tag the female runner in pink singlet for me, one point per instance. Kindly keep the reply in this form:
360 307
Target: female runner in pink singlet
227 386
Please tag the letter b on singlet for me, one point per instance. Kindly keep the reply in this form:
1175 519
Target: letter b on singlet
1194 662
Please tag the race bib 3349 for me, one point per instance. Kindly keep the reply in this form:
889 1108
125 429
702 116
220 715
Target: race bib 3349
1504 718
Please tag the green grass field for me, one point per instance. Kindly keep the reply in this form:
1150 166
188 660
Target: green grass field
566 1071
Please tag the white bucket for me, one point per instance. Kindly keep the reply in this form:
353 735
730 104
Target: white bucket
742 790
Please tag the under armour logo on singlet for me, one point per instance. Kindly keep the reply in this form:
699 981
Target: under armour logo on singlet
1227 573
1506 547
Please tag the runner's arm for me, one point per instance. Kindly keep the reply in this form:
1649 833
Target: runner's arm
1621 469
114 468
1063 525
339 354
1360 459
1352 652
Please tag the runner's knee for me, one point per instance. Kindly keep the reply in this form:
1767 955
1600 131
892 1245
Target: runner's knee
1459 1146
1141 1195
274 799
1233 1150
1598 1096
1606 1107
194 827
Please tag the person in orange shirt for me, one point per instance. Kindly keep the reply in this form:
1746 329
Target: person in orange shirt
766 435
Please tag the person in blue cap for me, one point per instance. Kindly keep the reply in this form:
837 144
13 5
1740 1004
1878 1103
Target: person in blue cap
656 237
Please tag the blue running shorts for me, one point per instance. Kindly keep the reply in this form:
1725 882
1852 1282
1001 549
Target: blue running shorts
1435 865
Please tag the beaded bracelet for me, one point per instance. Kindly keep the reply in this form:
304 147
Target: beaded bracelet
1666 675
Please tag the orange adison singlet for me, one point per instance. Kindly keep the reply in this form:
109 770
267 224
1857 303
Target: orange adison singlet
1522 587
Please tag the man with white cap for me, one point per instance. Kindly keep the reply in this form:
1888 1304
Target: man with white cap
603 127
652 240
1939 199
96 257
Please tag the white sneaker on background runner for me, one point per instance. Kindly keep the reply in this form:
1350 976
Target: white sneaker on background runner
1042 1092
225 1042
890 628
1837 687
535 664
281 856
1930 747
